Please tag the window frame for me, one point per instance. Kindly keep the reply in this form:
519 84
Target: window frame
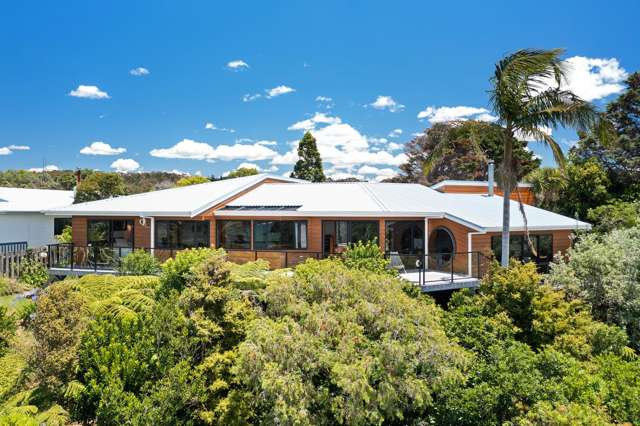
179 224
496 243
220 223
110 240
297 223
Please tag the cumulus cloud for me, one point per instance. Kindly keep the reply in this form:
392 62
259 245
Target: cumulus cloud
193 150
237 65
392 146
594 78
5 151
378 174
441 114
395 133
310 123
257 167
279 90
125 165
139 72
386 102
88 92
19 147
266 143
101 148
47 168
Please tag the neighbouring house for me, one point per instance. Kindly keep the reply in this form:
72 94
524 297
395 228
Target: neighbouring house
22 217
427 233
524 191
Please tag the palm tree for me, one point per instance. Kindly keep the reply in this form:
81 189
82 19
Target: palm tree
527 97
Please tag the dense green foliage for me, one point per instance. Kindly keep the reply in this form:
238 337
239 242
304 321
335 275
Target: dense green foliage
7 329
98 186
309 164
242 171
464 149
33 272
66 179
192 180
604 270
336 341
66 236
139 262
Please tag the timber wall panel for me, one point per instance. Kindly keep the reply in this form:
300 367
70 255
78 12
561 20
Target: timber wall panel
526 194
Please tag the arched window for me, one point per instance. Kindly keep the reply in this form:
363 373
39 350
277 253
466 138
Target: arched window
442 246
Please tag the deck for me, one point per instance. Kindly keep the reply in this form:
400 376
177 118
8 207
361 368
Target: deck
439 281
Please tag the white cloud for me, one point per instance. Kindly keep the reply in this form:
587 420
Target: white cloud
257 167
379 174
47 168
238 64
139 72
310 123
5 151
529 138
211 126
594 78
441 114
193 150
378 141
179 172
19 147
267 143
125 165
344 176
323 99
386 102
394 146
279 90
101 148
395 133
89 92
250 98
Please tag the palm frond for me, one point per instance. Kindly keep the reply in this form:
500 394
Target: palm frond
545 138
553 107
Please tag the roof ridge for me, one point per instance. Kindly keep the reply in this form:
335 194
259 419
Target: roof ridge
376 199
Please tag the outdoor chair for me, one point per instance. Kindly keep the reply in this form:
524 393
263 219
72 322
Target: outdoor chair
395 262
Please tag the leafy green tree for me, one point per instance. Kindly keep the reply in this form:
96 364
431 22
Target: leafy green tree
176 270
603 270
33 272
366 256
242 171
99 186
139 262
309 165
192 180
343 346
459 150
615 215
621 156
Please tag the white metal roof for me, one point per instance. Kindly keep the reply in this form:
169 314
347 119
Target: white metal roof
452 182
24 200
186 201
476 211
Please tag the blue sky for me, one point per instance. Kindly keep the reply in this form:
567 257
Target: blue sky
380 63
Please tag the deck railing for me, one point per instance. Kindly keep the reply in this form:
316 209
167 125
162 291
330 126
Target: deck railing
13 247
438 267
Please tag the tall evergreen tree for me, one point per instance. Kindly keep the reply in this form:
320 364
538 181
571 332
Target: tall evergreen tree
309 166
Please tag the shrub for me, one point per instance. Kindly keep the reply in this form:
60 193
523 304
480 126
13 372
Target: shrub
7 329
10 286
367 256
176 271
65 237
33 273
25 311
617 215
59 322
139 262
604 270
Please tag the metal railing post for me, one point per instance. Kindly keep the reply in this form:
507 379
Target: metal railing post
451 261
95 259
71 256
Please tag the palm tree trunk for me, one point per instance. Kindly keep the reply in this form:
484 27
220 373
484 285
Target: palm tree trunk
507 165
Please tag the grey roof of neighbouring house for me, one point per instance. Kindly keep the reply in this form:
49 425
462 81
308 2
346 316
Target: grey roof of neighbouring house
183 201
26 200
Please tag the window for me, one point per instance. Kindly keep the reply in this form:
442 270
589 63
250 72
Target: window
342 232
519 248
179 234
279 235
114 233
404 236
59 223
234 234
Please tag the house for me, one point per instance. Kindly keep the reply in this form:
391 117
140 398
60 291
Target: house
22 218
286 221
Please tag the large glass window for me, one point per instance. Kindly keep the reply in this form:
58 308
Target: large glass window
404 236
519 248
279 235
114 233
234 234
179 234
59 223
340 233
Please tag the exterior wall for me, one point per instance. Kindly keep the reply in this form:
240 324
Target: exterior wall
141 233
526 194
34 228
460 236
561 240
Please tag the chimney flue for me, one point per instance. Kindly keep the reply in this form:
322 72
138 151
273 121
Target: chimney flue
490 177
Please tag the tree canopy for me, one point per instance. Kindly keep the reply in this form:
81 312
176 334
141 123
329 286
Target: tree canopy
192 180
309 164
